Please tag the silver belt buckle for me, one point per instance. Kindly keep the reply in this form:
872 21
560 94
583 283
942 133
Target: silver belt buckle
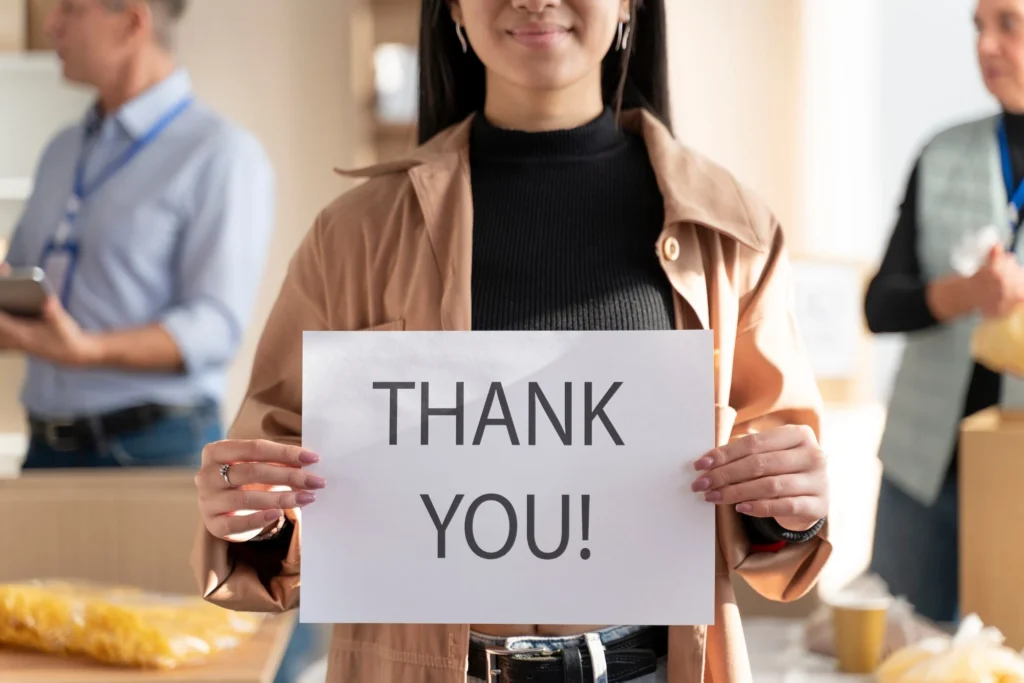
490 653
52 436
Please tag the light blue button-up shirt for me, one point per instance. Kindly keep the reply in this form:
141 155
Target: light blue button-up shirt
177 237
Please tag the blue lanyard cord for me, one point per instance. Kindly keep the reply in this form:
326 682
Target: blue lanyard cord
81 191
1016 197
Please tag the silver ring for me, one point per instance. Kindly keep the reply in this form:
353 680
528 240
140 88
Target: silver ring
224 475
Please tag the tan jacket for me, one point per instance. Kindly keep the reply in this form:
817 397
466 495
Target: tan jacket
395 254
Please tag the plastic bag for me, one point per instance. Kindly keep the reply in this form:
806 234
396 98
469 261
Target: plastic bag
903 626
118 625
974 655
998 343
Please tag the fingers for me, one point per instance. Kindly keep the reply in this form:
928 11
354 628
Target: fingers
13 334
248 473
5 269
237 527
243 500
779 439
995 254
756 466
258 450
799 507
766 488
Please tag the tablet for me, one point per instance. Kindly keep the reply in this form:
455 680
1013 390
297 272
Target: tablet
23 292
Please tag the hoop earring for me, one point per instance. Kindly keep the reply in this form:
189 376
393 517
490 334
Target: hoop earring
623 36
462 37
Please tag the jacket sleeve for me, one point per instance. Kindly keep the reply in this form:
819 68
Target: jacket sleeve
772 385
264 576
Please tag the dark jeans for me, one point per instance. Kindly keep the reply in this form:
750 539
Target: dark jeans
175 441
915 549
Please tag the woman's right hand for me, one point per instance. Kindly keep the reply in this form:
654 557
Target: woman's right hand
998 286
266 478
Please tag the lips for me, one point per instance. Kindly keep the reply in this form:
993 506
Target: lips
539 34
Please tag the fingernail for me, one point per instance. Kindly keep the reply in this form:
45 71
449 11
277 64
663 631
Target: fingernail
713 496
702 484
308 458
704 463
745 508
305 498
315 482
272 515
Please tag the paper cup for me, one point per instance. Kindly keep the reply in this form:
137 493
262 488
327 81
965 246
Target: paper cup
859 627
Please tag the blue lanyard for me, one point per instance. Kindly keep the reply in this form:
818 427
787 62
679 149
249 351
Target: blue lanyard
82 191
1016 197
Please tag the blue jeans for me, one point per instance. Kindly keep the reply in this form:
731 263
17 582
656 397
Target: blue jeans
175 441
915 549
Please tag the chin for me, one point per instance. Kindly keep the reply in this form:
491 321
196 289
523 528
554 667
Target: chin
543 78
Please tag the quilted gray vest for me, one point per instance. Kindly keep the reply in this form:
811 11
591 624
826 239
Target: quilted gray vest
960 189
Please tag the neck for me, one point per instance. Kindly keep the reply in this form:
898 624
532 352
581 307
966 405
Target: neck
534 110
134 78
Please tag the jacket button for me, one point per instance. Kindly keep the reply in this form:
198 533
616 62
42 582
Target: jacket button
670 249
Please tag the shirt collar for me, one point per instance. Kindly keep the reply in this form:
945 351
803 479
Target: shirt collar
138 116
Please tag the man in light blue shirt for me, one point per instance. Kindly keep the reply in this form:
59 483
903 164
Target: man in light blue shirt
152 218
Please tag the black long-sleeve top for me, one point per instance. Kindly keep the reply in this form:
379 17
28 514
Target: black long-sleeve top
896 298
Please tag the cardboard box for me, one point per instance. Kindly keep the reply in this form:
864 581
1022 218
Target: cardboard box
13 26
133 526
992 521
255 661
38 10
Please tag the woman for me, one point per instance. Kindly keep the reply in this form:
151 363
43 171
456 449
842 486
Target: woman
917 291
534 205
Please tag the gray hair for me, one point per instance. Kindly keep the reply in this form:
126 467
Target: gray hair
166 14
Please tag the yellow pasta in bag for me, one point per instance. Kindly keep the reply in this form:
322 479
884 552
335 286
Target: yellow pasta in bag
118 625
998 343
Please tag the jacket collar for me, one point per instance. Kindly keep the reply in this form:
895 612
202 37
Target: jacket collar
695 190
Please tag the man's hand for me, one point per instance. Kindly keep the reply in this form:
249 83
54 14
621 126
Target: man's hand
54 337
998 287
778 473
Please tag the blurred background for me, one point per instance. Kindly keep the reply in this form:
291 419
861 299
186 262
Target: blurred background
820 105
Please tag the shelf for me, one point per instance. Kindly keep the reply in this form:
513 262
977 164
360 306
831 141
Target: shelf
15 189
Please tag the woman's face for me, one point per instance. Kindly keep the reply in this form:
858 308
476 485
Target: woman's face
1000 25
541 44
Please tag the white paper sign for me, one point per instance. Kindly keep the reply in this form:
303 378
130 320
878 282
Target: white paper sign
506 510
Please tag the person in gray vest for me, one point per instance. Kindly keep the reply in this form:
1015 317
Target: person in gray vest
968 179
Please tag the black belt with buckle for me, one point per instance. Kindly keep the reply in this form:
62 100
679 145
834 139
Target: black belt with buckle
625 659
84 432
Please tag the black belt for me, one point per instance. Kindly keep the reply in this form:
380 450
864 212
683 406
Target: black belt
627 659
85 432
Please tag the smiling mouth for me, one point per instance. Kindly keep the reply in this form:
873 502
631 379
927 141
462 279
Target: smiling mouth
540 35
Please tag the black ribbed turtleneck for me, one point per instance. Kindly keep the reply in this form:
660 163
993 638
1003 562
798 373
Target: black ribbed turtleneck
1015 136
564 231
564 228
896 300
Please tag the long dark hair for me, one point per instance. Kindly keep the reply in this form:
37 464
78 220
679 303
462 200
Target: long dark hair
452 83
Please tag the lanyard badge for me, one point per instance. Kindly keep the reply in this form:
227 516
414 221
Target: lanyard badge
61 252
60 256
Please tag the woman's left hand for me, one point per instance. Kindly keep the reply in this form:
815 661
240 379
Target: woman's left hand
778 473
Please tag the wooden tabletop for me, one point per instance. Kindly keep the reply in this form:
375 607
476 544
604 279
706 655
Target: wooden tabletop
255 661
